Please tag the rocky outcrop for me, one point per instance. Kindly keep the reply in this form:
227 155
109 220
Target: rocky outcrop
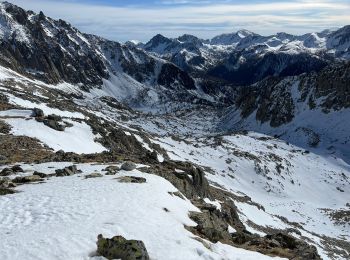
170 74
131 179
111 170
120 248
271 99
37 112
4 127
41 174
187 178
6 183
67 171
27 179
6 172
6 191
93 175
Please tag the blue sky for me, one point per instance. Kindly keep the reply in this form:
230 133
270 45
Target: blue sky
140 20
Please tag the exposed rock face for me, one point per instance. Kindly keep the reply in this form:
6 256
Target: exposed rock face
210 226
299 248
190 180
54 51
332 84
170 74
257 67
61 54
120 248
272 99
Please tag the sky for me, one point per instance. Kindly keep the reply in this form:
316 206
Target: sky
124 20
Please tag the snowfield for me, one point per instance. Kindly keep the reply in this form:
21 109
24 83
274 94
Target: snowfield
61 218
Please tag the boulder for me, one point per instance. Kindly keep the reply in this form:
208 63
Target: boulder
210 225
6 172
93 175
67 171
27 179
17 168
42 175
6 183
128 166
131 179
56 125
120 248
37 112
6 191
111 170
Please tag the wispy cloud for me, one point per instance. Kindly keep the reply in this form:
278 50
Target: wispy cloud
202 18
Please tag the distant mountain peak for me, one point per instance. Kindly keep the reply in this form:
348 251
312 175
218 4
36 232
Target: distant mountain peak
244 33
232 38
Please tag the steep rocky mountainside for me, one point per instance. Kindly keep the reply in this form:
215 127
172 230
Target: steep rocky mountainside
309 110
53 51
230 148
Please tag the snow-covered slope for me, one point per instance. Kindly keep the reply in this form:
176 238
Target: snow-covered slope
76 210
289 183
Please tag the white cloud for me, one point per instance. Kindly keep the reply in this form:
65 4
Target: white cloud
205 20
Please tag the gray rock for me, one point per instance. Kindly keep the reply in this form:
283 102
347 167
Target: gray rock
67 171
6 183
54 124
17 168
128 166
26 179
37 112
6 191
131 179
111 170
6 172
93 175
42 175
120 248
